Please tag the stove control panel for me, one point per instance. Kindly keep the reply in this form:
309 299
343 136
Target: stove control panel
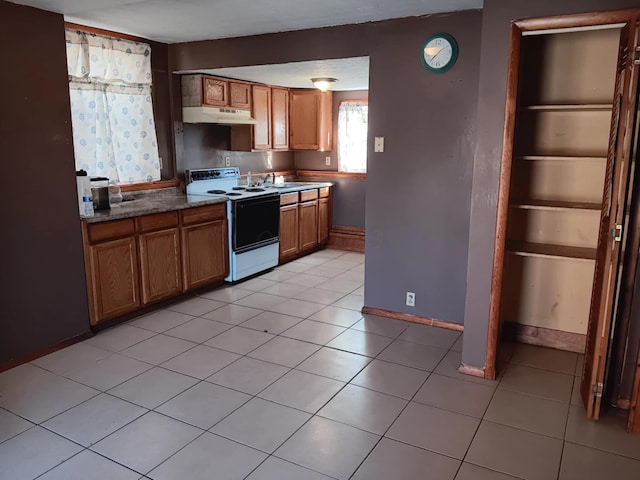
212 174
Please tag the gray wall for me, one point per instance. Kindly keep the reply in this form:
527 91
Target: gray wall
206 146
418 191
349 194
496 20
43 295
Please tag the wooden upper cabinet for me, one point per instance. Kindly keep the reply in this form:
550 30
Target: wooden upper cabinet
262 115
240 95
311 120
215 92
280 118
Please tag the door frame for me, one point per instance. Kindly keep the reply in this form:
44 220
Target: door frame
518 28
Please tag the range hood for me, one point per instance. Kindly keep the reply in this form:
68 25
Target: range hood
221 116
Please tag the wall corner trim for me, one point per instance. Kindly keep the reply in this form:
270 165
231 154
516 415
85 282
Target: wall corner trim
413 318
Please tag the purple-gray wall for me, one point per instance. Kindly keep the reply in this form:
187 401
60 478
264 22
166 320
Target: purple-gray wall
418 191
43 295
349 194
496 20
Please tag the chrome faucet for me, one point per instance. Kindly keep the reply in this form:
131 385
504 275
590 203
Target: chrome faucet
266 178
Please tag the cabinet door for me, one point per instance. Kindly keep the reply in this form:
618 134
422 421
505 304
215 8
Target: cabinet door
305 111
308 225
160 272
240 95
288 231
215 92
323 220
114 270
325 122
280 118
262 115
204 253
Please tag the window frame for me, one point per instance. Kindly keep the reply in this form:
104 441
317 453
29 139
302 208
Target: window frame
137 186
364 101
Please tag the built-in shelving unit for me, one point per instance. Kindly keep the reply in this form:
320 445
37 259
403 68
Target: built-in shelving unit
569 108
560 150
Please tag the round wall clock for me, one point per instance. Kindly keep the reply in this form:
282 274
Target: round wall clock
439 52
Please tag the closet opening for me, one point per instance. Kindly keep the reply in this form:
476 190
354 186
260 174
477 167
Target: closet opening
568 227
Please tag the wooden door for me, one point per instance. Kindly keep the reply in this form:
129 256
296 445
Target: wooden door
160 272
114 267
288 231
204 253
308 225
304 114
323 220
280 118
611 220
262 115
215 92
240 95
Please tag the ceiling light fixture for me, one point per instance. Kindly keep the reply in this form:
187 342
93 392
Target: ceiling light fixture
323 83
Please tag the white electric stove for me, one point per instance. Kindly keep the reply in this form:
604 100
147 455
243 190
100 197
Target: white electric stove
253 215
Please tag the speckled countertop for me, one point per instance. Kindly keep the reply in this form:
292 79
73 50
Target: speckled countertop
148 202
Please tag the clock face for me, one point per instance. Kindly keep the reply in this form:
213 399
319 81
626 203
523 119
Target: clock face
439 53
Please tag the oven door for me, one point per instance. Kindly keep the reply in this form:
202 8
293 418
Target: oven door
255 221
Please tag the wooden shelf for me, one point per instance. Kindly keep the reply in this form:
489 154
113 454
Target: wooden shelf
554 205
527 249
568 108
558 158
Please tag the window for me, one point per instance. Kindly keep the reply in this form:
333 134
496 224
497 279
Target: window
114 132
352 136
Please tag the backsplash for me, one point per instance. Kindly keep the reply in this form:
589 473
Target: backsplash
206 146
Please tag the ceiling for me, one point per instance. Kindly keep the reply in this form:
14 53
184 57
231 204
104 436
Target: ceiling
174 21
352 73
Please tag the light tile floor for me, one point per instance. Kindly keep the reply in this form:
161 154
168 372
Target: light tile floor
280 377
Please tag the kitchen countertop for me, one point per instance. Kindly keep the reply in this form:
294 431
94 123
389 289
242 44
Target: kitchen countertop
170 199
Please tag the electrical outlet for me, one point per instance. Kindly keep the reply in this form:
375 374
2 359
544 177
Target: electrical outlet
378 145
161 163
411 299
227 161
327 160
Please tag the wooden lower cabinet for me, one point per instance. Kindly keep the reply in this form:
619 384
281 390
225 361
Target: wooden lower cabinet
288 231
204 253
160 264
308 225
135 262
114 270
324 215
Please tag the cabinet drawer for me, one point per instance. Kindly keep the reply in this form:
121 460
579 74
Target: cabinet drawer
203 214
108 230
308 195
324 192
289 198
148 223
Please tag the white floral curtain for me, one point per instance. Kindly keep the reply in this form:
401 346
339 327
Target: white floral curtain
114 132
352 136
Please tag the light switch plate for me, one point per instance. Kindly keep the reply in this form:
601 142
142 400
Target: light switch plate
379 144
